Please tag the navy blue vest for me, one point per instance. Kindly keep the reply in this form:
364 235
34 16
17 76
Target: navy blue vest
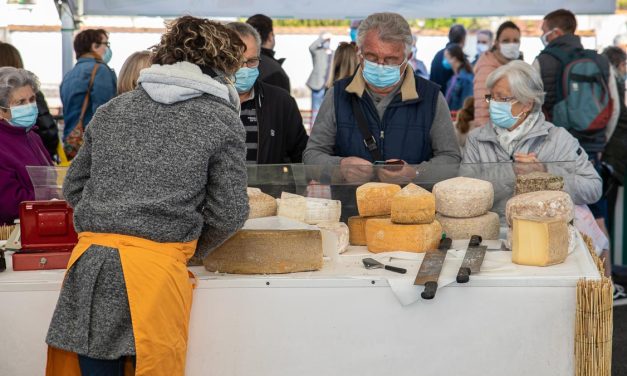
403 133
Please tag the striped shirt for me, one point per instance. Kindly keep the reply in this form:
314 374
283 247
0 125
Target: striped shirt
249 119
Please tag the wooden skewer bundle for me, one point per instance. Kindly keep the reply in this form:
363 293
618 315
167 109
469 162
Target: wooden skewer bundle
5 232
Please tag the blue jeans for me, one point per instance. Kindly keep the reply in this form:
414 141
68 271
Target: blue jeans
101 367
316 101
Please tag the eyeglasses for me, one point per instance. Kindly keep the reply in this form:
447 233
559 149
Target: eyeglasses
251 63
488 98
108 44
386 61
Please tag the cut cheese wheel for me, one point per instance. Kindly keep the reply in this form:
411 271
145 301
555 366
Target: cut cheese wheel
357 229
309 210
268 252
384 236
539 243
334 238
413 205
487 226
375 198
538 181
463 197
260 204
539 206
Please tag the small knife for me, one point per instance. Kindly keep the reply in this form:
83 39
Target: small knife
371 263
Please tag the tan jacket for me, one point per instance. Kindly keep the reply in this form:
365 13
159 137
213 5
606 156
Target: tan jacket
488 62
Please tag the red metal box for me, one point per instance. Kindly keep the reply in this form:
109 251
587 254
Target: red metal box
40 260
47 226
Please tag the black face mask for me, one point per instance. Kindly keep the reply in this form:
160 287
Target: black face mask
205 69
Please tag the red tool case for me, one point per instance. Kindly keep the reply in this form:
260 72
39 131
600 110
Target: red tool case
47 235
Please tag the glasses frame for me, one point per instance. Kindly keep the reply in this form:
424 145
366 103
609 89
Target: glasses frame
107 43
488 98
256 60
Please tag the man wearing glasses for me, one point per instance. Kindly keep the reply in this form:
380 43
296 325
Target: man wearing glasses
274 126
404 118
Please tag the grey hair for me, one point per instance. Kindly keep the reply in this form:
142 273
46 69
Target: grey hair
246 30
524 82
392 27
15 78
487 33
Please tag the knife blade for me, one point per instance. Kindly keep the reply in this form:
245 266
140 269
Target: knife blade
371 263
431 267
472 259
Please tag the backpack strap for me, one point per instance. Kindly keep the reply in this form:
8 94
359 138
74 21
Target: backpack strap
369 141
86 100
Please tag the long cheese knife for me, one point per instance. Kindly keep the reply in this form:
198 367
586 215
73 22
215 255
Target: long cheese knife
472 260
431 267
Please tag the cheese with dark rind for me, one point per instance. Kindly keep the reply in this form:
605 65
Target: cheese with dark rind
357 229
538 181
539 243
413 205
487 226
463 197
384 236
375 198
268 252
260 204
540 205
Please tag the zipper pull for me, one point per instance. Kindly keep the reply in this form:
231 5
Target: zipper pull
382 134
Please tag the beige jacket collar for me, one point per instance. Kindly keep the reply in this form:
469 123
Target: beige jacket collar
408 86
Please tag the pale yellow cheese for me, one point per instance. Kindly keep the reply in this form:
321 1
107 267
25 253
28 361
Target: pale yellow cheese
539 243
487 226
334 238
260 204
308 209
357 229
463 197
268 252
540 205
375 198
413 205
384 236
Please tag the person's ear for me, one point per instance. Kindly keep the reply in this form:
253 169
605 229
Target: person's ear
94 47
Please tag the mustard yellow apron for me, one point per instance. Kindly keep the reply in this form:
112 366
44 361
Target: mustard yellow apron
160 299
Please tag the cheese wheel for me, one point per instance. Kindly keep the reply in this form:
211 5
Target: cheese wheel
357 229
308 209
268 252
539 243
384 236
487 226
413 205
375 198
538 181
260 204
540 205
463 197
334 238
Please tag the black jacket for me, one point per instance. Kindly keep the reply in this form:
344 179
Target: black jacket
282 137
271 72
46 127
439 75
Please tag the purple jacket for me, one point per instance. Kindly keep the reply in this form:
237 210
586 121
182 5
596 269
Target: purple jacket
18 149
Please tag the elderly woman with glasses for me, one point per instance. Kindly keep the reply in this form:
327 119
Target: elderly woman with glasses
20 146
519 132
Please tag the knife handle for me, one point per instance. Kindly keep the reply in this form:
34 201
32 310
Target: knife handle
463 275
3 262
430 290
395 269
475 241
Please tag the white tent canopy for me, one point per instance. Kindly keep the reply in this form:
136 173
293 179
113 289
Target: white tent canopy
337 9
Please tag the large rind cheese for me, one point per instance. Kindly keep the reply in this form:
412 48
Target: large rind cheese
463 197
357 229
413 205
334 238
538 181
539 206
487 226
384 236
375 198
539 243
260 204
309 210
268 252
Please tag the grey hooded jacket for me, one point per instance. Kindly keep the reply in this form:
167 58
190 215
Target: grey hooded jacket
550 144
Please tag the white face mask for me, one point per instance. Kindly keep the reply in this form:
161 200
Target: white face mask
510 51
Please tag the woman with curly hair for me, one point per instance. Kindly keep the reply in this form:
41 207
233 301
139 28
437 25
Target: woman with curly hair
160 166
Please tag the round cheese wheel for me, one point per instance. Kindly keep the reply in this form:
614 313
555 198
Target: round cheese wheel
463 197
487 226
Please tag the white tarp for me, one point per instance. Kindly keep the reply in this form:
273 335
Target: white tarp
338 9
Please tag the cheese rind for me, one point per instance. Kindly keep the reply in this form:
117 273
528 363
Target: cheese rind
413 205
538 181
463 197
375 198
384 236
307 209
357 229
260 204
539 243
540 205
487 226
267 252
334 238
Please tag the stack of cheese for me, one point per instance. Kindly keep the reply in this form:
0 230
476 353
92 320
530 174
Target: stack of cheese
411 225
538 181
463 206
539 222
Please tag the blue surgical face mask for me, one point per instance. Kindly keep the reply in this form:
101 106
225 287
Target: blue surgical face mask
501 114
24 116
381 76
107 55
245 79
446 64
353 35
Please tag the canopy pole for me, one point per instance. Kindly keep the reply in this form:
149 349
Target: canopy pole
67 35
